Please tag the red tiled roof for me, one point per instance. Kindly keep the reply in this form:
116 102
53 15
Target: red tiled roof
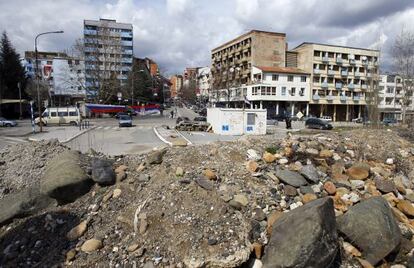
285 70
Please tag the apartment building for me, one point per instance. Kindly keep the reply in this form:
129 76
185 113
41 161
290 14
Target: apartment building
63 75
108 51
392 95
280 90
255 48
340 78
176 85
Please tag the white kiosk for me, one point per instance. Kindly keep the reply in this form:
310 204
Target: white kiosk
234 121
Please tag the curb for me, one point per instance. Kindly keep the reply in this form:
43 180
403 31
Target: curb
188 141
69 139
160 137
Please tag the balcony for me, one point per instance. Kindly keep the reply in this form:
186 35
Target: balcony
330 98
338 85
325 59
369 75
352 62
316 97
343 98
357 74
365 62
89 32
339 60
344 73
364 86
351 86
356 98
126 34
331 72
316 71
324 85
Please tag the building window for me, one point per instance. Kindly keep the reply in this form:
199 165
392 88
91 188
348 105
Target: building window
263 91
273 91
290 78
303 78
254 91
302 91
293 91
283 91
275 77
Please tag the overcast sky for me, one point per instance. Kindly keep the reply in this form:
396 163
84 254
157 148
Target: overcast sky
181 33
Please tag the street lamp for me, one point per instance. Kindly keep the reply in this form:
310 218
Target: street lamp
37 76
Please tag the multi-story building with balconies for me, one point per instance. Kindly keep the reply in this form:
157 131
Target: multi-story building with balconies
255 48
392 96
341 77
108 51
281 90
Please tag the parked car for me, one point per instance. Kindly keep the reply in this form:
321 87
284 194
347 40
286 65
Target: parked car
317 123
181 118
7 123
326 118
389 121
200 119
117 115
125 121
60 115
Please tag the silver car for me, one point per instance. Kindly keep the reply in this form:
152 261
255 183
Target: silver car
125 121
7 123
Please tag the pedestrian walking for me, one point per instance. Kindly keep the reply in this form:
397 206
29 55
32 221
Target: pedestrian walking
172 114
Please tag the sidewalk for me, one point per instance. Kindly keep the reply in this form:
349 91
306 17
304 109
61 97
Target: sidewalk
62 133
171 136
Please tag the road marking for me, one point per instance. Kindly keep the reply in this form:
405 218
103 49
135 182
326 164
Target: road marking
13 140
106 128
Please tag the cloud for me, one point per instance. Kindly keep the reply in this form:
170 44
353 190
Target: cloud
181 33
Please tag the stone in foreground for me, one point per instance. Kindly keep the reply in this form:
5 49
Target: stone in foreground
304 237
291 177
22 204
102 172
371 226
64 179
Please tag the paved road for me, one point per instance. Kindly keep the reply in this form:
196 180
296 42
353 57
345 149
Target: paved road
110 139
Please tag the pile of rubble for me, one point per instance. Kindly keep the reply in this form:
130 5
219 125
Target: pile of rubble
23 164
327 200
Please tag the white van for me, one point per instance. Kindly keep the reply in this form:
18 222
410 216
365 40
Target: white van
60 115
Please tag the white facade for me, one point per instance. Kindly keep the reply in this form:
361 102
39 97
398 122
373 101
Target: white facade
391 95
227 121
203 80
279 90
68 77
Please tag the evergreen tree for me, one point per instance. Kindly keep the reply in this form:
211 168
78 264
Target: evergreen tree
11 71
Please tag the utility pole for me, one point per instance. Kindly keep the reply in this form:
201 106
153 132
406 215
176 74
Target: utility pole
37 78
20 100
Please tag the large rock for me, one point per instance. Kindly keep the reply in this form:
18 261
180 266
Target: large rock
310 173
64 179
155 158
291 177
22 204
304 237
102 172
359 171
371 226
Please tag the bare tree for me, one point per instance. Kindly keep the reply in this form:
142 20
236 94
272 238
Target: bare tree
102 55
403 56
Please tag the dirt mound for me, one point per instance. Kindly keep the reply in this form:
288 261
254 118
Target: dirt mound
216 205
23 164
